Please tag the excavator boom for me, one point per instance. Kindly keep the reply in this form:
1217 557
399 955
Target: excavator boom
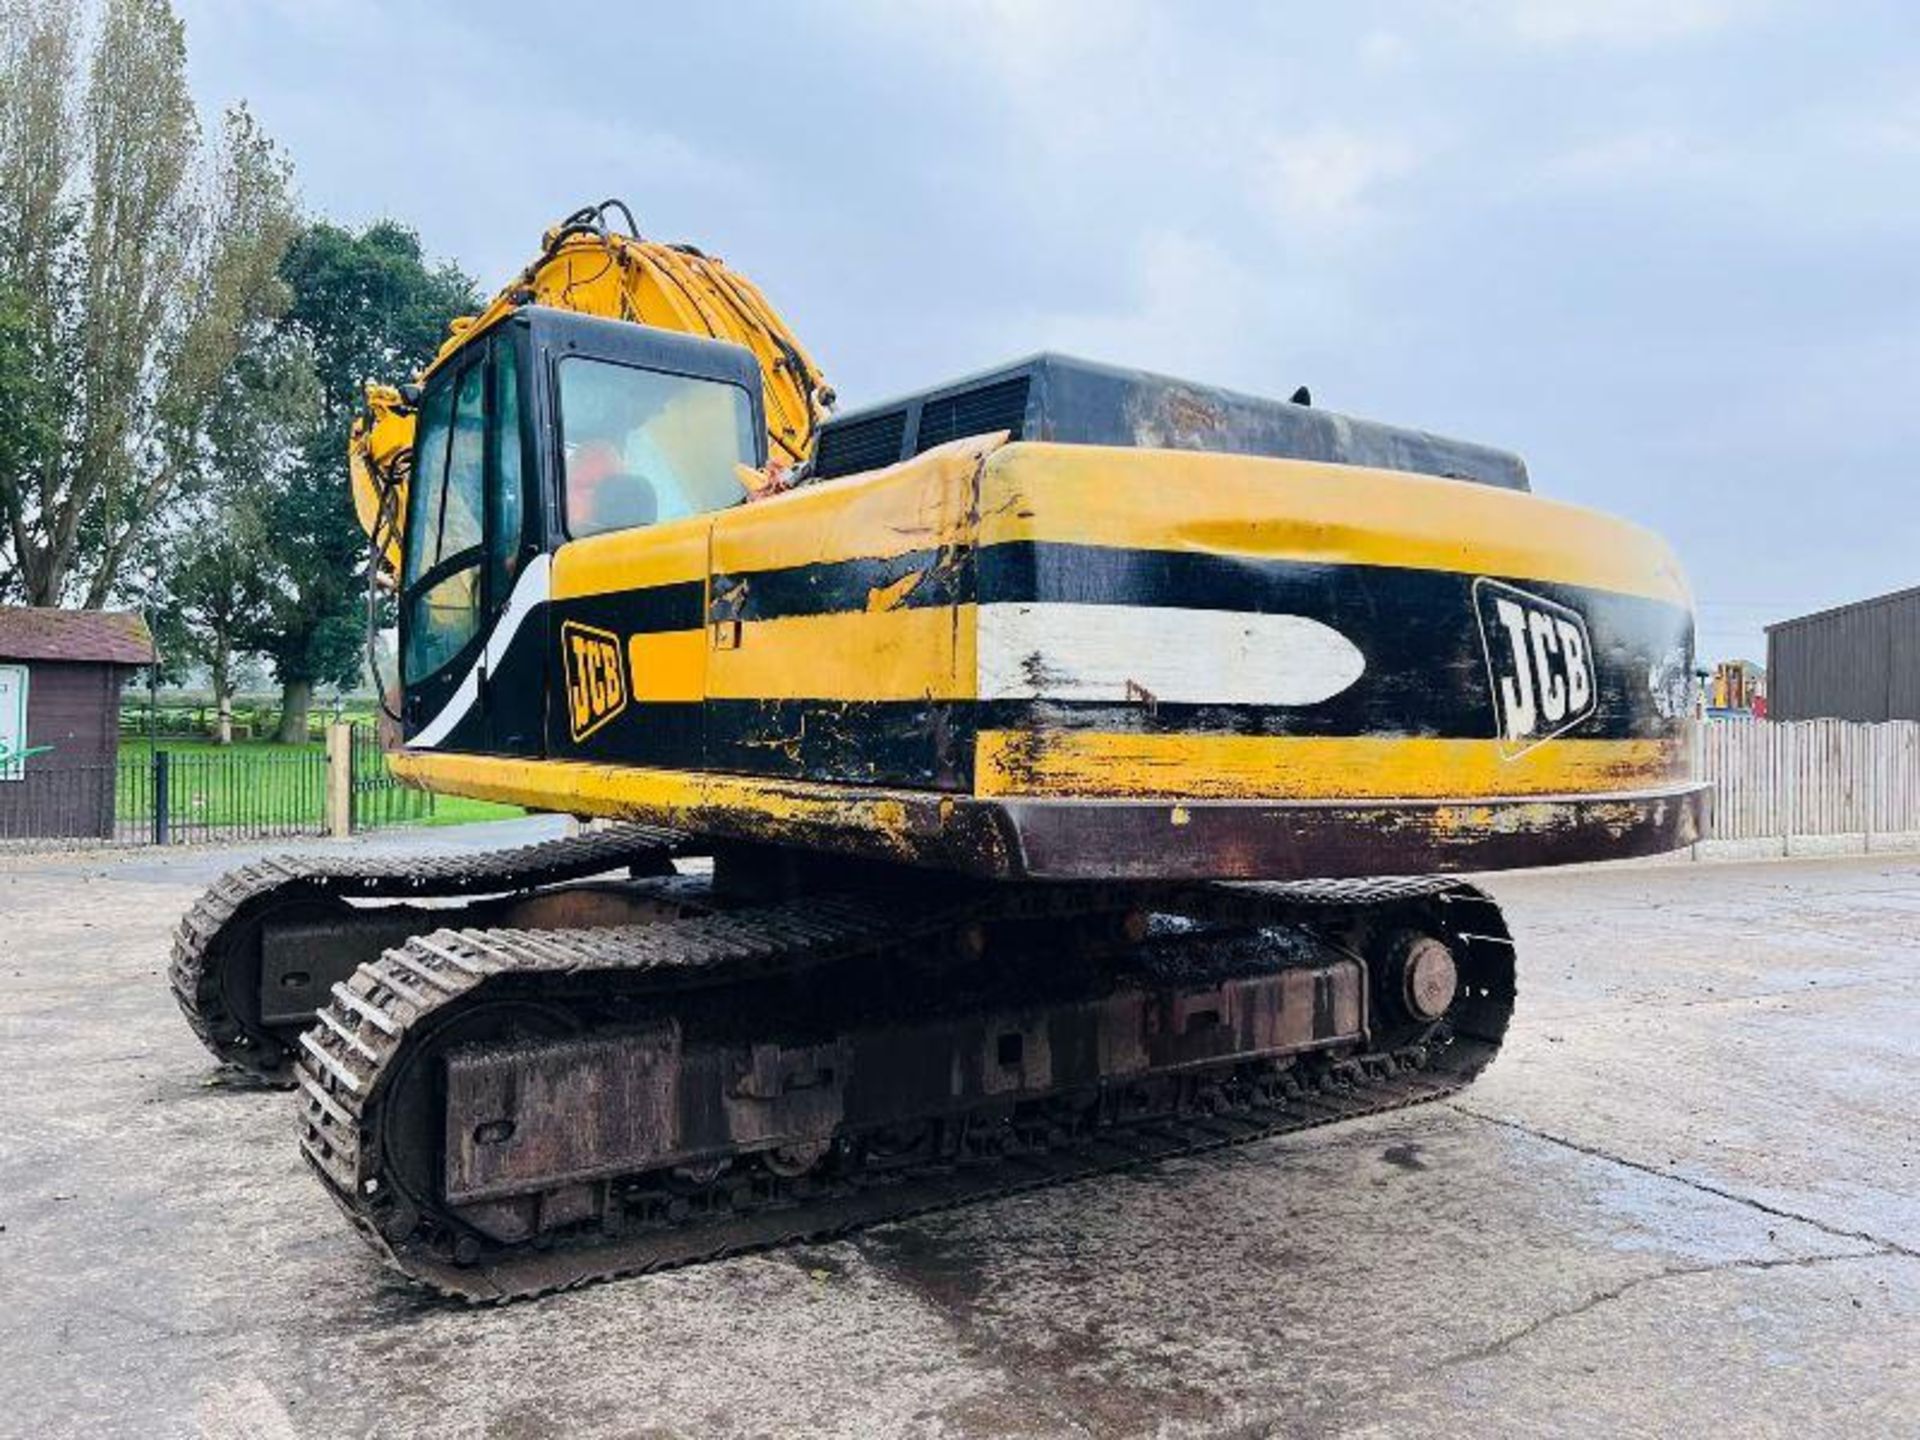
587 266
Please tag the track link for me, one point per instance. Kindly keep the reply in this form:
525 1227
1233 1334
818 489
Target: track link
392 1009
215 957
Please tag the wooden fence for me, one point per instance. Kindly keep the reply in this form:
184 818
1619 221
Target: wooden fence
1812 777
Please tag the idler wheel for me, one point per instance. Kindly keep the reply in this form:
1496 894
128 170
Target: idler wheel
1429 978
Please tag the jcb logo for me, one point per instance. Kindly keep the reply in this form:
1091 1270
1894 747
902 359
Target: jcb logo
596 677
1539 662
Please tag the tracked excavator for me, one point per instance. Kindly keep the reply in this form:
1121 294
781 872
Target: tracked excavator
1039 774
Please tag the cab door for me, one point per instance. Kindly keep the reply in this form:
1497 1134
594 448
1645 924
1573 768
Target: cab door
649 431
473 592
516 586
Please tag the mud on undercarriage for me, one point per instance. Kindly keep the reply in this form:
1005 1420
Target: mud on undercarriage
503 1112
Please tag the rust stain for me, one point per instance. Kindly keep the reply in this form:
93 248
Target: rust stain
1176 420
1140 695
728 602
1190 412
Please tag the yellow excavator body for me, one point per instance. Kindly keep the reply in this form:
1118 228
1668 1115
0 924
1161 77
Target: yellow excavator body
980 702
911 705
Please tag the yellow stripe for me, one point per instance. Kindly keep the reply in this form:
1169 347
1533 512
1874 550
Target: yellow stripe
666 554
1293 509
925 653
1063 763
920 504
1228 505
695 798
668 665
637 792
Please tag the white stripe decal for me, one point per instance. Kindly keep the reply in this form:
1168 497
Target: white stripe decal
1122 653
528 591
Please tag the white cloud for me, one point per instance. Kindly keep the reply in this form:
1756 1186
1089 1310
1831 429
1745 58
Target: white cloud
1559 23
1630 157
1384 51
1194 308
1325 182
1074 75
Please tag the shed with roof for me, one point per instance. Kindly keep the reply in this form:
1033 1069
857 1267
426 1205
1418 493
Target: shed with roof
61 676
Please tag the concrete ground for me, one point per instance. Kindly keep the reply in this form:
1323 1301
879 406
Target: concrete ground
1682 1201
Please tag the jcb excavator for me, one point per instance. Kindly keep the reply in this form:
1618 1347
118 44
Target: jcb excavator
1061 741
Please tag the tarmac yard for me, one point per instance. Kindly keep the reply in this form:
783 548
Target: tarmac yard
1684 1200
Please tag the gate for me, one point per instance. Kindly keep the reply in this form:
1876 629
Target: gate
170 797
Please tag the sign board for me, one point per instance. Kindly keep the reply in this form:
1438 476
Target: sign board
13 722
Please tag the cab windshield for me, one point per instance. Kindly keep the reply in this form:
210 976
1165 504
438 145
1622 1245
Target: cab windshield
641 446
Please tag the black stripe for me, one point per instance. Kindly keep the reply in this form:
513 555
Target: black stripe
938 577
928 744
643 610
1426 670
1030 571
661 733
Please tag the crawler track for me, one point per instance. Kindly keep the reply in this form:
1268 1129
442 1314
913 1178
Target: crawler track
406 1007
214 969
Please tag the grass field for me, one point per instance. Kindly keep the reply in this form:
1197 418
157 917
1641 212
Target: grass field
256 782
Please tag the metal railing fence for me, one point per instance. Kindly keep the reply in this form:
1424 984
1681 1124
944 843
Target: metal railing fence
175 796
378 797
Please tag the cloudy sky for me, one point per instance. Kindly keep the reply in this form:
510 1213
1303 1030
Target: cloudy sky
1667 249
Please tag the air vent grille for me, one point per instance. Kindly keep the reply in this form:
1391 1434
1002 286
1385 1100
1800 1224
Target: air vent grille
1000 406
849 447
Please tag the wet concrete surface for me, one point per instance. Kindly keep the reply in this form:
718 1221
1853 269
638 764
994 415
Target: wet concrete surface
1682 1201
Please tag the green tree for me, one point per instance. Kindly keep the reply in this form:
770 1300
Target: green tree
364 307
29 408
136 263
209 597
214 591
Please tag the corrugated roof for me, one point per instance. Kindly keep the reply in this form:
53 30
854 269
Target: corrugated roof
1832 610
118 637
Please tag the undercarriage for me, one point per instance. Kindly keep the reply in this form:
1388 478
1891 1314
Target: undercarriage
747 1057
511 1091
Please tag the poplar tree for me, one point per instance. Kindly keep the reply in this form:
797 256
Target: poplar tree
138 261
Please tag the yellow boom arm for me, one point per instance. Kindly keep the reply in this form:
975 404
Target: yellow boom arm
588 266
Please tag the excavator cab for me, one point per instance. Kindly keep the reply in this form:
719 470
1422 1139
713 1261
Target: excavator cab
549 427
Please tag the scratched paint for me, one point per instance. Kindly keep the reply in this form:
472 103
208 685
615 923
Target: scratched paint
1036 622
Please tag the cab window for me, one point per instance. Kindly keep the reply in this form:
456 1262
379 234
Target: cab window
640 446
444 526
429 479
505 530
